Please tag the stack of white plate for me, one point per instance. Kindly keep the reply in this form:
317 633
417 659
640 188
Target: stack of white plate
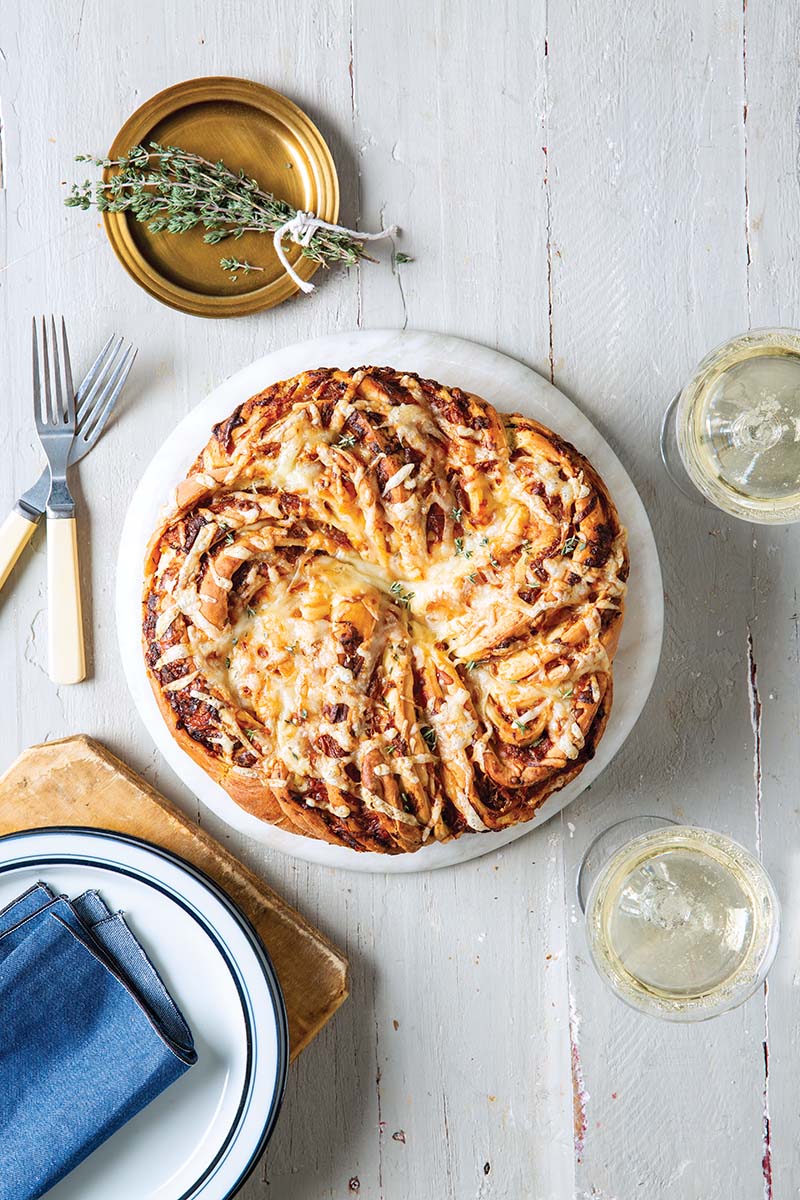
200 1139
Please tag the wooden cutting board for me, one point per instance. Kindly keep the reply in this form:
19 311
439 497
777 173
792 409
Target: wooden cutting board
78 782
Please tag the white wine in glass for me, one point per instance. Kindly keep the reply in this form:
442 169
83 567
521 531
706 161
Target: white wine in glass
737 426
681 922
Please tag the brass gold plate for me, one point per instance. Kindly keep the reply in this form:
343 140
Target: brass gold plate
249 127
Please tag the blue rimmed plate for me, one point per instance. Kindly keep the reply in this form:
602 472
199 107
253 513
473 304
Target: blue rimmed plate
201 1138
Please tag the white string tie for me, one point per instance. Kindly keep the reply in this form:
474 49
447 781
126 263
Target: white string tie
301 229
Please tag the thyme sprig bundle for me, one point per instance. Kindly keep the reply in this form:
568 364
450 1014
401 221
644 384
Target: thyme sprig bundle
173 191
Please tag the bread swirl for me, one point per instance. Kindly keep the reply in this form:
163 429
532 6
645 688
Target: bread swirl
380 613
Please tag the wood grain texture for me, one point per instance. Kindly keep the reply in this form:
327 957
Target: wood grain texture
604 191
773 193
75 781
669 281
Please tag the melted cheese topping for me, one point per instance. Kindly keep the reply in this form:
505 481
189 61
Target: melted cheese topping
388 606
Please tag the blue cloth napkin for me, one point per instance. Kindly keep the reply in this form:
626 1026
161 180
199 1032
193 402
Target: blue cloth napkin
89 1035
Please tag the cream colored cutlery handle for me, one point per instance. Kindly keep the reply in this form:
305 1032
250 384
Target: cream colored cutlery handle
67 662
15 533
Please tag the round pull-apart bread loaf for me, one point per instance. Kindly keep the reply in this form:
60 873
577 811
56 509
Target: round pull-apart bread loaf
381 613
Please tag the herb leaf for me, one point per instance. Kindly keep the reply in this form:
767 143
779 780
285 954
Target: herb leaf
234 264
429 736
403 597
172 190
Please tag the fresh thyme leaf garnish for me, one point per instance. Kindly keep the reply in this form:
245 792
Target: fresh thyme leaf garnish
401 258
346 441
403 597
492 559
460 551
172 190
522 725
570 545
229 539
235 264
475 662
228 663
251 612
456 514
249 734
429 736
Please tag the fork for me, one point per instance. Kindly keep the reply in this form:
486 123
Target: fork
94 401
54 414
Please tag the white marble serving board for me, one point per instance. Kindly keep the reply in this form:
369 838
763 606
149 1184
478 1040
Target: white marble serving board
510 386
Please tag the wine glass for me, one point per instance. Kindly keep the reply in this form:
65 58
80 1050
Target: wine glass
681 922
733 433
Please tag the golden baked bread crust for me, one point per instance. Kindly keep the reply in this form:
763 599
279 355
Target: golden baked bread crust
380 613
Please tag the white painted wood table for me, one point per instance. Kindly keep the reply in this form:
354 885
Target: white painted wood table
604 191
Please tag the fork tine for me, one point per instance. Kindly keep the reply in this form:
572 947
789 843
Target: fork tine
60 410
100 381
68 375
93 371
49 412
108 398
37 385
